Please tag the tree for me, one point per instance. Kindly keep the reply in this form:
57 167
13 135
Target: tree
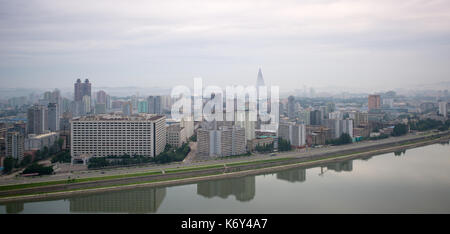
400 129
37 168
284 145
60 143
193 138
345 138
8 164
26 160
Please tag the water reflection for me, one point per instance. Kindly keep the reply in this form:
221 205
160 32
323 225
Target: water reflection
141 200
341 166
385 185
293 175
14 208
242 188
400 152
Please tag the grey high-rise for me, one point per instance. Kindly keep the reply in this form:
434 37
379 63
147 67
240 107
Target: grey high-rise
154 105
53 117
292 113
81 90
37 119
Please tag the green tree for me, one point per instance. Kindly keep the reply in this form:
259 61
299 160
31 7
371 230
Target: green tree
8 164
26 160
37 168
399 130
60 143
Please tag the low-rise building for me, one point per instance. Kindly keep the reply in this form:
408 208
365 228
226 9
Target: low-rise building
37 142
259 141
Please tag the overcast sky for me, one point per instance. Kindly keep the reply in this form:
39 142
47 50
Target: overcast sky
351 43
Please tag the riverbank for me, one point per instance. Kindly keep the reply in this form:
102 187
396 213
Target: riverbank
211 172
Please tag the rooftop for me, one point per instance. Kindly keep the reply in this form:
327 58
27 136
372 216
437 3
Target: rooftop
33 136
118 117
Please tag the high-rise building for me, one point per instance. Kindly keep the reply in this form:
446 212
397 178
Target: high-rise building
339 126
56 98
245 122
143 107
336 115
108 102
15 144
53 117
127 108
221 141
100 108
86 105
374 102
104 135
316 117
443 108
305 117
81 90
359 118
188 124
294 133
166 103
291 110
101 97
37 119
154 105
260 101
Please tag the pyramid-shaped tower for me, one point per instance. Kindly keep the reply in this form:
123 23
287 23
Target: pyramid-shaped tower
260 80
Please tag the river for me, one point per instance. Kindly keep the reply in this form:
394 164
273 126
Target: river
412 181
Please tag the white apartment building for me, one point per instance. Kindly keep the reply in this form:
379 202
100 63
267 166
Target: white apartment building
175 135
105 135
14 144
339 126
221 141
294 133
243 120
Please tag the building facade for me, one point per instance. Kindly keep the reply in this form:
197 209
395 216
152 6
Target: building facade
37 119
374 102
294 133
443 108
105 135
223 141
37 142
176 135
53 117
338 126
14 143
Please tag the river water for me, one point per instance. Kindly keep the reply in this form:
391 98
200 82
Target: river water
413 181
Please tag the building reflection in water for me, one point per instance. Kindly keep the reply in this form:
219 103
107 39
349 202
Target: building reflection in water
341 166
400 152
242 188
141 200
293 175
14 208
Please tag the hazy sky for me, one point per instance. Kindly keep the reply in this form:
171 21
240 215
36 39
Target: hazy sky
351 43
